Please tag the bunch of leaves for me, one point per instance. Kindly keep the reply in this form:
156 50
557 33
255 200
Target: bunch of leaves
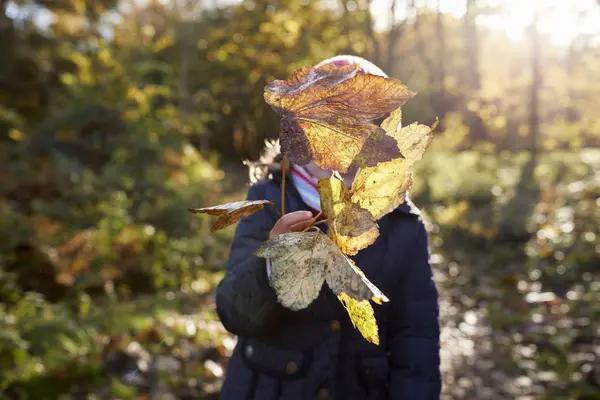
328 115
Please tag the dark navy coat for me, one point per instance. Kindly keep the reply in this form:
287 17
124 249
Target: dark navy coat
316 353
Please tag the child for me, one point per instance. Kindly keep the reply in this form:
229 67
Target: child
316 353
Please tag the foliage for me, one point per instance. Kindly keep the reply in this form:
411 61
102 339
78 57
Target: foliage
303 261
520 294
94 93
95 252
328 113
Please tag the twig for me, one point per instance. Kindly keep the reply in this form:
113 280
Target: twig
312 221
311 228
283 169
276 209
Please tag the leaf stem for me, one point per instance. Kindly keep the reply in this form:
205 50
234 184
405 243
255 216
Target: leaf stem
284 172
312 221
276 210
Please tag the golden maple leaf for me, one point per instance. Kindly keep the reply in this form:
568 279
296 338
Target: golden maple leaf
351 227
382 188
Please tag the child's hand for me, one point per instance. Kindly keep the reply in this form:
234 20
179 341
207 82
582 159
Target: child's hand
293 222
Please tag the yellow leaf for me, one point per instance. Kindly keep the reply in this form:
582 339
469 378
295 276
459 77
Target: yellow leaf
354 283
382 188
230 213
362 315
351 227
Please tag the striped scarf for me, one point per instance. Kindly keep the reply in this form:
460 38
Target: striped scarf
306 184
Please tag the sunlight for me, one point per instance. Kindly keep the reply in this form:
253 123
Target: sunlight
560 21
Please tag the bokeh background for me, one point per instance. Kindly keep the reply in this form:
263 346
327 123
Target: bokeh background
116 116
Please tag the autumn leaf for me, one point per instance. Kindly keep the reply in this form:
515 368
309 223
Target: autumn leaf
382 188
328 113
351 227
230 213
302 261
378 148
362 315
354 283
299 261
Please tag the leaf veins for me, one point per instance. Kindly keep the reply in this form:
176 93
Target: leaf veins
230 213
351 227
382 188
362 315
302 261
327 114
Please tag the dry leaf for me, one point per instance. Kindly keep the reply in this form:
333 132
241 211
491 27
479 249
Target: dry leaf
302 261
230 213
327 114
351 227
362 315
354 283
382 188
299 261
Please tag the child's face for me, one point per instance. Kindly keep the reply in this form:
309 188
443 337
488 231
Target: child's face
320 173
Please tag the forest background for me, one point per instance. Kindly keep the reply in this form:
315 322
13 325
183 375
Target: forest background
116 116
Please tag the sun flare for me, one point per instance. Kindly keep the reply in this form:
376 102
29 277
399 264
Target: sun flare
559 20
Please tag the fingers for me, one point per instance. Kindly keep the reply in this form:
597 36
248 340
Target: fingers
295 217
293 222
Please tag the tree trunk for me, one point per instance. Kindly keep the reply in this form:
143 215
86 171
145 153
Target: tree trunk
536 82
441 39
184 59
420 47
393 35
570 111
471 39
370 31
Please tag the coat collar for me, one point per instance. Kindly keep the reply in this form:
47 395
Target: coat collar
408 207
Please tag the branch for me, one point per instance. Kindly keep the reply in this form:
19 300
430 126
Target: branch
284 172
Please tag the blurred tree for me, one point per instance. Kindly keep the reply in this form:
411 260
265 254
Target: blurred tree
113 116
536 83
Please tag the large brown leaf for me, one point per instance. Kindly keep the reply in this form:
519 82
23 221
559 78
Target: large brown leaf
328 113
382 188
230 213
